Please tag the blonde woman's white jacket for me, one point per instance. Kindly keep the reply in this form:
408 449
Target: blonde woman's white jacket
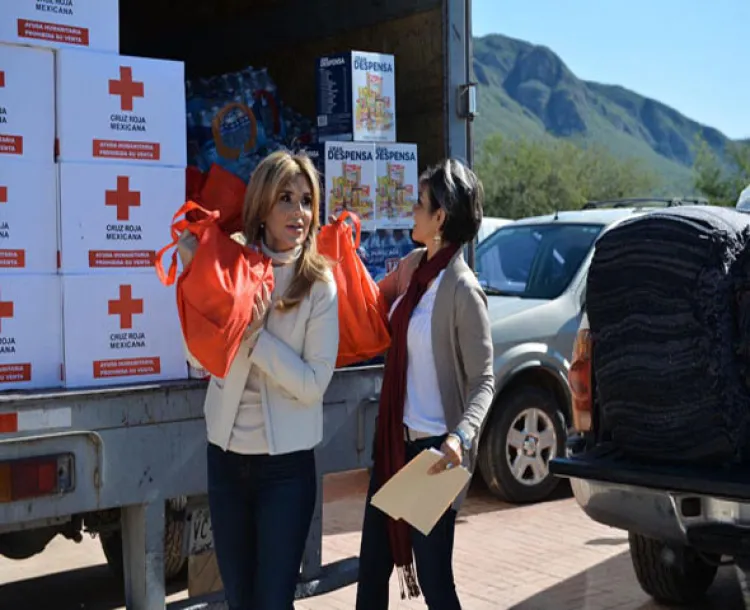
296 354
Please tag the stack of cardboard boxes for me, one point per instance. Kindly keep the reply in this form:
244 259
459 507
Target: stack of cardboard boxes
92 166
365 169
30 299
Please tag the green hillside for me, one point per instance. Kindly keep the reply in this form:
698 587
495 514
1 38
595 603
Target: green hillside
527 91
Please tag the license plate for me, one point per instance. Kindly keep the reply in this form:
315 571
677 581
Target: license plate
201 537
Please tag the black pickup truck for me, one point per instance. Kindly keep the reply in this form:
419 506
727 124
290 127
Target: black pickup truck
660 387
682 522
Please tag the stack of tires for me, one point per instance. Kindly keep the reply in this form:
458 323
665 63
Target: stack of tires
662 300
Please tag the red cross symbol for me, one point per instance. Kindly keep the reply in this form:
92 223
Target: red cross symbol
123 198
6 310
126 307
126 88
2 78
3 194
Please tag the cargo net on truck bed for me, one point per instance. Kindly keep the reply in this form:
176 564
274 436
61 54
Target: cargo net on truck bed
668 301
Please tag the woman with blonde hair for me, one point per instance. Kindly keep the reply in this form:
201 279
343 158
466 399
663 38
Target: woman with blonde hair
265 418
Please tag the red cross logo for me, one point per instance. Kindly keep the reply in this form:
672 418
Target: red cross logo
2 78
6 310
3 194
123 198
126 307
126 88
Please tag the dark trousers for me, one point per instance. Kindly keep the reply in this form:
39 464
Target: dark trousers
433 554
261 509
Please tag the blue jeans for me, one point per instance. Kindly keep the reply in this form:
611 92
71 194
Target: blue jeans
433 554
261 509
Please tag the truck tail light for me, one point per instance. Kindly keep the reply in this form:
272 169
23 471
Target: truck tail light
579 378
36 477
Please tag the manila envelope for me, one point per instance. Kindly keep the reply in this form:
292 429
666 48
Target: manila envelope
420 498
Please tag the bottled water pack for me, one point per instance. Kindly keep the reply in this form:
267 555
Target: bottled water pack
236 119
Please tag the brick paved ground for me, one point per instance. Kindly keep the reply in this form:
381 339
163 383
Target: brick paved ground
547 556
543 557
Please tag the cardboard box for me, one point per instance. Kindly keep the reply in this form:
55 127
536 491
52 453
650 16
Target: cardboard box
356 97
203 575
317 156
397 185
350 180
31 339
28 217
27 104
122 109
93 24
381 250
116 216
120 328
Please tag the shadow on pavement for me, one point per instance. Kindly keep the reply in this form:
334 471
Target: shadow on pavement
344 501
91 588
610 541
612 584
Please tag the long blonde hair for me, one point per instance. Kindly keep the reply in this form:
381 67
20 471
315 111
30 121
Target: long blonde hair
271 176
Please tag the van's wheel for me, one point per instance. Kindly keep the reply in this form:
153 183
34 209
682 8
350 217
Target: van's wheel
526 430
671 575
175 565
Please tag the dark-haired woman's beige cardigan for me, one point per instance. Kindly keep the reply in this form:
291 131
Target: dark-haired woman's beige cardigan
462 345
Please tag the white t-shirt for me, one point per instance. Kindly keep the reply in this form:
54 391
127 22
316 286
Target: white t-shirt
423 407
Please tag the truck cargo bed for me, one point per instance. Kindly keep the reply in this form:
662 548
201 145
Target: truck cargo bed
607 464
287 36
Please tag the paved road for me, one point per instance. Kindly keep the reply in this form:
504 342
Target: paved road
543 557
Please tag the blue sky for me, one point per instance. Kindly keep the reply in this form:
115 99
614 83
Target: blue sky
688 54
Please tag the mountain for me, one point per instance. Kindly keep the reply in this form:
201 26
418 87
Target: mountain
526 90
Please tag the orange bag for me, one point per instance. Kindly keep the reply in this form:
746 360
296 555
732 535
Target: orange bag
217 289
216 190
363 327
194 181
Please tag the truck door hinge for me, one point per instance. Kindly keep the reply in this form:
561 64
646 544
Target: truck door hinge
467 101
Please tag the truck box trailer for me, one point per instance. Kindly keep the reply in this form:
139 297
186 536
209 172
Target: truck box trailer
128 463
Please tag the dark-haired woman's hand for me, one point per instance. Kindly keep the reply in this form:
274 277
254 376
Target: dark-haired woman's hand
452 455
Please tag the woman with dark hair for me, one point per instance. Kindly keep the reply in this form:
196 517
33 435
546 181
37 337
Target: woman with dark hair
437 388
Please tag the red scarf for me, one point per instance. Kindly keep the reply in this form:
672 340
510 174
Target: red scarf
390 450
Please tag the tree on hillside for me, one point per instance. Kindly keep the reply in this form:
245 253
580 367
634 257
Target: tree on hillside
722 183
529 178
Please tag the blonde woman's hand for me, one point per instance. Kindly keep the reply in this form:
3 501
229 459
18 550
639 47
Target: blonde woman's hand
260 311
186 246
452 455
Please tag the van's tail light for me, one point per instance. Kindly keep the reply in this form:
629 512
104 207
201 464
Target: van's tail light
36 477
579 378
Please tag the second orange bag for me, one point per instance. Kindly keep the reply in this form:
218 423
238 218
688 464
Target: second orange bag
217 289
216 190
363 330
